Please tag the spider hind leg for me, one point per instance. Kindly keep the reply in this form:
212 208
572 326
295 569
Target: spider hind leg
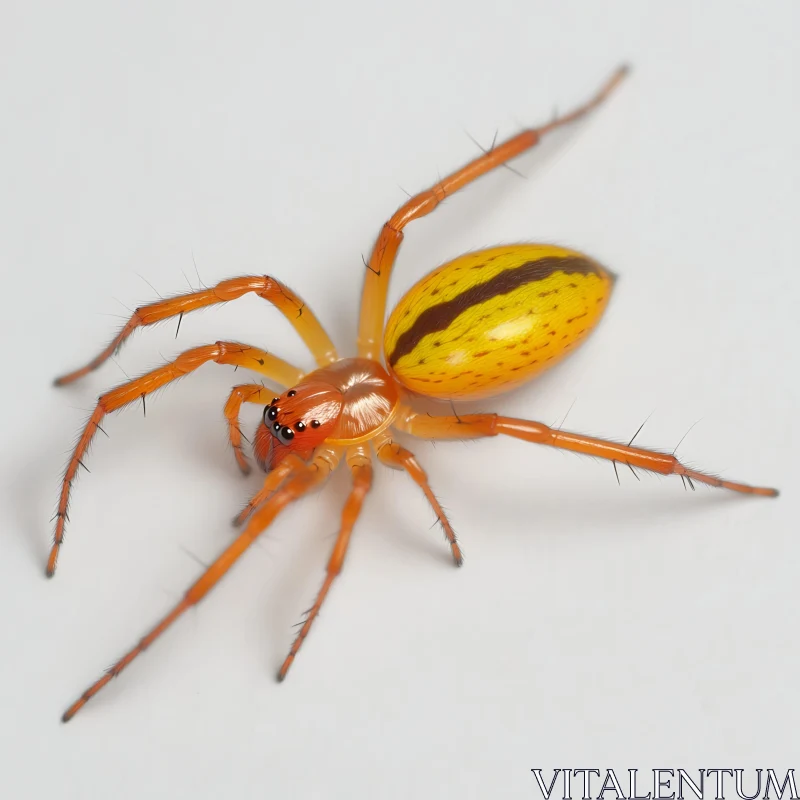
472 426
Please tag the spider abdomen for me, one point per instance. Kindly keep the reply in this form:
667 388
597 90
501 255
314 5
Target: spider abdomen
492 319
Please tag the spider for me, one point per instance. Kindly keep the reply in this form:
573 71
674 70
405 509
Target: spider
475 327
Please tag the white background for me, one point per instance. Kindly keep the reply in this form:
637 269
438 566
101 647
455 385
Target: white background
593 625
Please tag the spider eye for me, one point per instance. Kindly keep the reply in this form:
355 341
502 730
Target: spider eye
291 393
271 413
285 434
300 427
315 423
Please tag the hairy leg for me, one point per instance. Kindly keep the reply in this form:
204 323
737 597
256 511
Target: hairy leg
272 482
233 353
283 298
302 481
376 281
471 426
396 456
358 459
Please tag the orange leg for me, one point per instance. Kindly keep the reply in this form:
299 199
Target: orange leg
301 482
248 393
272 482
394 455
359 461
471 426
240 355
376 281
283 298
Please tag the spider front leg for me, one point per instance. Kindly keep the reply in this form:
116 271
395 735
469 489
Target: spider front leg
283 298
384 253
303 479
359 461
241 355
471 426
396 456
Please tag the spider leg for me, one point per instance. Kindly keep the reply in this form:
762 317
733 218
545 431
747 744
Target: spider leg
376 280
358 459
394 455
241 355
247 393
283 298
471 426
272 482
301 482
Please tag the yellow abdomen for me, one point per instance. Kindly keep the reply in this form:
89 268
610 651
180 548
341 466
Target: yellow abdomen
490 320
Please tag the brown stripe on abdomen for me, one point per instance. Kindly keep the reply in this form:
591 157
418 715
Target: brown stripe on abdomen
439 317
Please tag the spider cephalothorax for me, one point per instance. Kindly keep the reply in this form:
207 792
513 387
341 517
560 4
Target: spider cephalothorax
475 327
346 402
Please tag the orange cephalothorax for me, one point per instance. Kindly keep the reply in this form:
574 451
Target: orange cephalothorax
369 398
344 403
